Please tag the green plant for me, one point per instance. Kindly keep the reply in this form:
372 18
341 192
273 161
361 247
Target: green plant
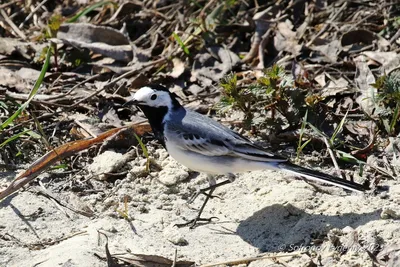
31 94
24 106
89 9
272 78
390 127
300 144
14 137
124 213
181 44
53 25
235 97
388 100
145 152
267 93
333 142
274 84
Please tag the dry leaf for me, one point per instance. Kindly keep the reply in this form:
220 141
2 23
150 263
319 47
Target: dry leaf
213 65
179 68
141 260
61 152
103 40
285 39
364 80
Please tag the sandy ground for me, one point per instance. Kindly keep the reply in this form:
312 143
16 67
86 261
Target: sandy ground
261 212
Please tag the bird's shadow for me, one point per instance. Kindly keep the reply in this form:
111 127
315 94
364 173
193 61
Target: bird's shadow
279 227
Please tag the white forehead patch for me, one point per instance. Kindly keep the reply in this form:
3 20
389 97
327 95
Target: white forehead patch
145 96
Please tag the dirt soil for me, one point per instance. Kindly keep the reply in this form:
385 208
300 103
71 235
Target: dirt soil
260 212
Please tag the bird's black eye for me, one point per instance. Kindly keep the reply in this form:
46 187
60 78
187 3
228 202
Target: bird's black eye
153 97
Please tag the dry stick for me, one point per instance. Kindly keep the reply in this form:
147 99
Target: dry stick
325 28
25 178
203 11
395 37
338 171
37 97
251 259
85 128
8 4
58 240
257 36
264 40
356 25
161 60
83 82
32 13
43 163
48 194
44 192
51 88
127 74
12 25
175 258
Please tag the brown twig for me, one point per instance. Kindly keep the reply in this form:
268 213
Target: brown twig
32 13
60 204
328 23
8 4
12 25
338 170
125 75
251 259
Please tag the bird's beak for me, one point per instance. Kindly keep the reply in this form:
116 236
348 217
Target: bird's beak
132 102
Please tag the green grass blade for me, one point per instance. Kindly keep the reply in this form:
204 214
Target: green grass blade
3 105
32 93
40 129
88 9
145 152
302 129
304 144
317 131
59 166
349 158
394 119
179 41
14 137
339 128
33 134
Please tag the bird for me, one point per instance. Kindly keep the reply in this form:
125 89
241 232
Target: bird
204 145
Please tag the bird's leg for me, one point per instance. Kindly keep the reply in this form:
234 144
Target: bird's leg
208 195
194 221
209 188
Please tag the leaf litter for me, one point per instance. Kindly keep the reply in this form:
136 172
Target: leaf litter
259 67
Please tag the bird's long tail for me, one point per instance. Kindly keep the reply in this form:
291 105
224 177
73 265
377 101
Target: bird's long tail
321 177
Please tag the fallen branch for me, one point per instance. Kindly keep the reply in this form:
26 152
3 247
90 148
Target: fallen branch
61 152
251 259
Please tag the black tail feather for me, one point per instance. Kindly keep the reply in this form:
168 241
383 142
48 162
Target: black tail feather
322 177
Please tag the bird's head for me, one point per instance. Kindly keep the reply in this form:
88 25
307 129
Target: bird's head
154 96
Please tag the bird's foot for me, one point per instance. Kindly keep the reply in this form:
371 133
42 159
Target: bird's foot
195 222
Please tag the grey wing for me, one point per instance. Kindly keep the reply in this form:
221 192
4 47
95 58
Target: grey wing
201 144
200 134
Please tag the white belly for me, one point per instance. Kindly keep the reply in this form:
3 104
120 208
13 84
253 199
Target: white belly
214 165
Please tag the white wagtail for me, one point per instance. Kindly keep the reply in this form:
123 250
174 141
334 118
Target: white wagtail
204 145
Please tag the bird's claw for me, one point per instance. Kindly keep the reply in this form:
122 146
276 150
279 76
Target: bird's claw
194 222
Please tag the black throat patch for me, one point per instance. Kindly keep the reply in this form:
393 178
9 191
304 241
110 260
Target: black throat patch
156 117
